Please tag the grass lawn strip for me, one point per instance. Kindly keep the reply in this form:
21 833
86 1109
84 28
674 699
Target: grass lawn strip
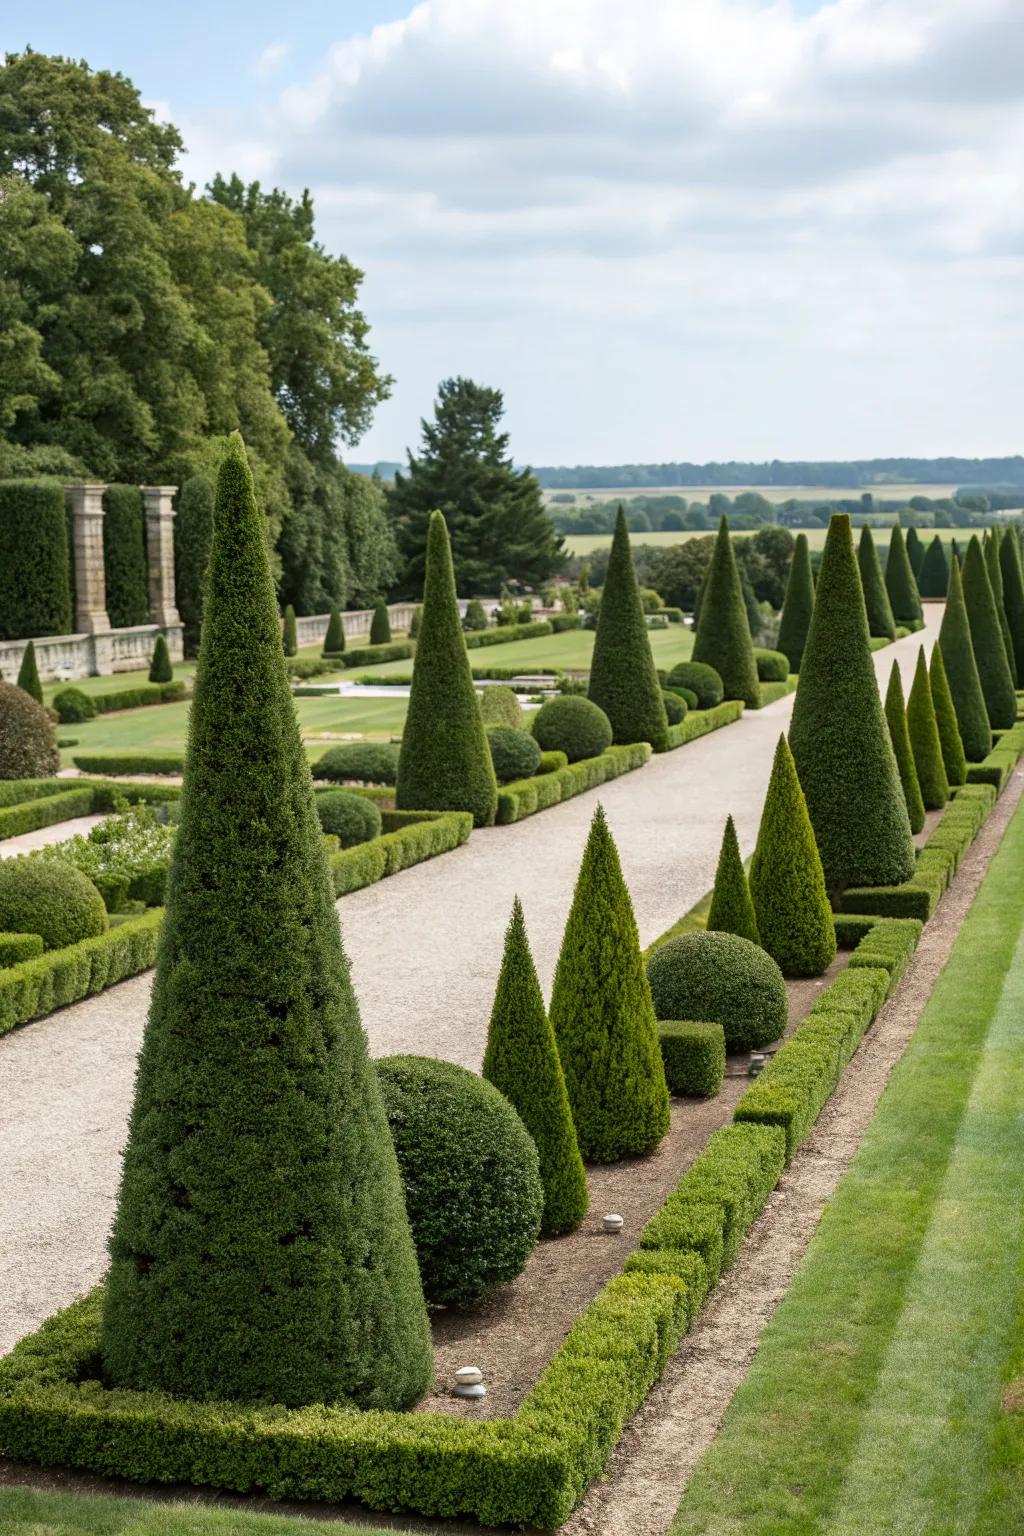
796 1426
26 1512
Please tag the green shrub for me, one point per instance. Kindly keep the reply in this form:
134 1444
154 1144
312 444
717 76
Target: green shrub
840 743
51 898
925 744
130 762
501 706
675 707
359 762
74 705
415 622
444 763
260 1248
687 695
522 1062
987 639
160 669
127 698
787 882
933 578
573 725
35 987
193 529
126 857
881 622
722 979
602 1014
15 947
772 666
504 633
723 640
693 1055
380 624
732 908
28 674
961 670
896 719
515 754
289 632
29 816
558 780
28 742
915 550
471 1176
475 618
623 681
900 582
408 837
1013 594
990 550
373 655
124 555
351 818
701 680
334 639
35 592
798 605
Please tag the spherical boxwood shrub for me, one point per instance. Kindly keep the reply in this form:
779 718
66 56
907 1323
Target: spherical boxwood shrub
687 695
51 898
722 979
471 1175
500 706
573 725
701 679
359 762
772 666
350 818
675 707
72 706
28 743
514 753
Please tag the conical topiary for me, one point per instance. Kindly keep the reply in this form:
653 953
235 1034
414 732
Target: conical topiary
260 1250
915 551
987 639
415 622
896 719
160 669
193 529
900 582
732 908
28 674
961 669
723 633
603 1017
445 762
623 679
797 605
334 639
954 553
380 624
522 1061
993 541
1012 570
881 624
289 634
923 729
787 882
953 759
934 577
839 739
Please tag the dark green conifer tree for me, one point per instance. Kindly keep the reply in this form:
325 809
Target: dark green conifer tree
732 908
28 674
934 577
522 1061
445 762
953 759
797 606
193 528
839 738
961 670
623 679
900 582
160 669
334 639
993 544
925 742
603 1016
915 552
723 639
787 882
987 638
1012 570
380 624
260 1249
896 719
881 624
289 634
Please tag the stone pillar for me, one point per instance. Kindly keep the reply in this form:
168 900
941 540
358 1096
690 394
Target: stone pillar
90 580
160 554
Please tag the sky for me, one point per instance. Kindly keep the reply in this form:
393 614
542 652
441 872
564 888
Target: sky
666 229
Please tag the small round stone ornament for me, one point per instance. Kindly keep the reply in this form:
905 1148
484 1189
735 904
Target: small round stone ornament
469 1382
612 1222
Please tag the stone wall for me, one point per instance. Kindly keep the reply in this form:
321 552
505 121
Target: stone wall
311 629
68 657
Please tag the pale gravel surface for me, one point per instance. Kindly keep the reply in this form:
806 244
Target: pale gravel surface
42 837
425 948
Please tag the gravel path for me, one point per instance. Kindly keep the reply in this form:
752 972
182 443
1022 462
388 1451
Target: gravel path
425 948
28 842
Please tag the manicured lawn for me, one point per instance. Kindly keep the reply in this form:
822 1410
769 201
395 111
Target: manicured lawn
570 650
115 683
888 1391
23 1512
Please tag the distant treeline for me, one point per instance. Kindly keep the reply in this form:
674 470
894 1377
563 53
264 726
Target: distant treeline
875 473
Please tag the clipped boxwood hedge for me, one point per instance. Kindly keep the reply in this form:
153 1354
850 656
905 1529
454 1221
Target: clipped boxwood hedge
51 898
514 753
772 666
573 725
115 763
724 979
15 947
359 762
553 784
35 987
693 1053
35 590
701 680
351 818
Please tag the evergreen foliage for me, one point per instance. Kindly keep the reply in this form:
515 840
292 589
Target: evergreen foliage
260 1249
160 669
522 1062
514 753
934 577
444 763
28 742
987 639
603 1017
798 605
721 979
925 743
28 674
896 719
500 706
289 637
915 551
52 898
953 759
843 754
787 882
1012 570
349 817
124 555
380 624
701 680
334 639
881 623
623 679
193 529
732 907
475 618
961 670
900 582
991 549
35 590
723 638
415 621
573 725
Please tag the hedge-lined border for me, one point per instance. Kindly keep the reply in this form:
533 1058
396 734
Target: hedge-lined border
170 763
771 693
524 797
142 697
34 988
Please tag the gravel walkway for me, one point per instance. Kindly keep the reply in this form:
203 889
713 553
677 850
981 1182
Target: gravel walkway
42 837
425 948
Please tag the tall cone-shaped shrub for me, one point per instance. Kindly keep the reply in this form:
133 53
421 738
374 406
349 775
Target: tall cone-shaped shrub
289 636
797 605
934 577
915 552
896 718
28 674
1012 570
900 582
723 632
334 639
881 624
445 762
603 1016
961 669
380 624
160 669
987 638
953 759
260 1249
732 907
193 528
840 743
623 678
522 1061
993 542
925 743
787 882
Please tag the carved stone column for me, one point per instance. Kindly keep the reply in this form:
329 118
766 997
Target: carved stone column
87 537
160 554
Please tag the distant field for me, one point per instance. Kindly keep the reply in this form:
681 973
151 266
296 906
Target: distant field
901 492
586 543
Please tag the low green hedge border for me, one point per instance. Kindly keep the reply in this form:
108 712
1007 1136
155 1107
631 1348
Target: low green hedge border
771 692
35 987
35 803
138 698
694 1057
503 634
16 820
700 722
996 768
408 837
15 947
130 762
553 784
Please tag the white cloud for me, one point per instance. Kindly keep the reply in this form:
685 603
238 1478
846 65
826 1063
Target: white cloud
270 60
